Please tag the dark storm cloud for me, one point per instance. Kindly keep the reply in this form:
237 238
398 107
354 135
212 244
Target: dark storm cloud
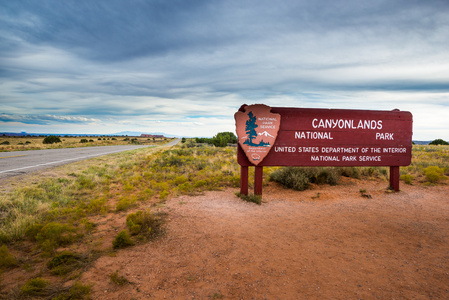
118 30
106 30
44 119
194 59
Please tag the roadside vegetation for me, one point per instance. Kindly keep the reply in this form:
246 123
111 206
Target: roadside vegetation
439 142
300 178
21 143
430 165
49 226
221 139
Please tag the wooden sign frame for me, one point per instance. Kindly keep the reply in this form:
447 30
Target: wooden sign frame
334 137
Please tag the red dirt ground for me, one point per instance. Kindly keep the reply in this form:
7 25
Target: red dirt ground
325 243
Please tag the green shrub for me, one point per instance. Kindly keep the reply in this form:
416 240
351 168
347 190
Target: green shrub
7 260
52 235
407 178
97 206
351 172
327 176
86 182
33 230
118 279
300 178
200 183
221 139
88 225
84 141
173 161
438 142
216 296
250 198
51 139
180 179
163 195
63 234
434 174
143 222
185 188
292 177
5 143
34 287
122 240
124 204
65 262
77 291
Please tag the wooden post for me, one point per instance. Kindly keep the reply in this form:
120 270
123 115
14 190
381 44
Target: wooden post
394 178
244 180
258 176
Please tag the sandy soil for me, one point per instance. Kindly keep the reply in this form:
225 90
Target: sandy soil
324 243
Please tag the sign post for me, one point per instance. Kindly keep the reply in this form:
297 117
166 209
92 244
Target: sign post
281 136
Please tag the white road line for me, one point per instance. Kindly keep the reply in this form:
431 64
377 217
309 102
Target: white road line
59 161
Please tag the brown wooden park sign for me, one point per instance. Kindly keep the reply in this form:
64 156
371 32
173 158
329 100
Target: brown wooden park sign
284 136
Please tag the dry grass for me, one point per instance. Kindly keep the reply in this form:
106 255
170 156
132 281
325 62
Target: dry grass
36 143
61 209
423 157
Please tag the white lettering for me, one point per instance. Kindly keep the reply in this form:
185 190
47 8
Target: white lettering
384 136
313 135
309 149
346 124
370 158
284 149
324 158
394 150
339 150
321 125
379 124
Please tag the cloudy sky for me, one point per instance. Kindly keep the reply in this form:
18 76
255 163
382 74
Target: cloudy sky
185 67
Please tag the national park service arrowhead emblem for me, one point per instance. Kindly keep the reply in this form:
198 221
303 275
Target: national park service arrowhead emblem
257 129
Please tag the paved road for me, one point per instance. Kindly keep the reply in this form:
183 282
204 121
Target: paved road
20 162
172 143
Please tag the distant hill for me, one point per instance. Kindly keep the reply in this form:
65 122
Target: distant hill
422 142
135 133
47 134
122 133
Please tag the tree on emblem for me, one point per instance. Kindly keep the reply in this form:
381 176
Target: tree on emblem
250 129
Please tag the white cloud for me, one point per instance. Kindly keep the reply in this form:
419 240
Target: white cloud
191 70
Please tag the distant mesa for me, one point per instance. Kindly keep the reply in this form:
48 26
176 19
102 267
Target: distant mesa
157 136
